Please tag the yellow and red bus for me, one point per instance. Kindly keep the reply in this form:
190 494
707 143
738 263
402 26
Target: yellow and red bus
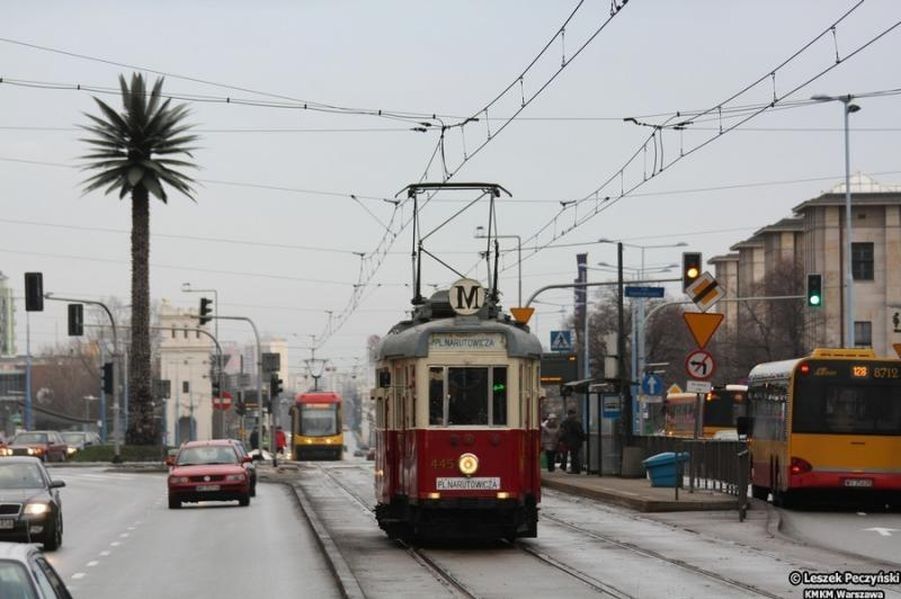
316 426
831 420
721 408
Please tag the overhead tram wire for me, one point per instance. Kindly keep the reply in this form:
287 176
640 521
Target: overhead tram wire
373 261
610 200
305 104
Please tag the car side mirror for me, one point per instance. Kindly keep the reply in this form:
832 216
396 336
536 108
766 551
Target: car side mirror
169 460
257 457
56 484
743 425
246 459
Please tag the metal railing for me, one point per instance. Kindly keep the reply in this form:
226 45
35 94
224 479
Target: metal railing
715 465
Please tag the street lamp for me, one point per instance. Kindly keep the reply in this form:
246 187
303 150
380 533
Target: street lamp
847 108
480 234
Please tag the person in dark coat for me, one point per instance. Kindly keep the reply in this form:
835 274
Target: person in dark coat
572 435
254 439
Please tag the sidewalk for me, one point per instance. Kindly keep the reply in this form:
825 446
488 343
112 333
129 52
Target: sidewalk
636 493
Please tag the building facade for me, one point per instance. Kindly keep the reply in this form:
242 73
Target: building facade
185 362
777 258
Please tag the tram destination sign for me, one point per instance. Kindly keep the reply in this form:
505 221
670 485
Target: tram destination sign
468 341
473 483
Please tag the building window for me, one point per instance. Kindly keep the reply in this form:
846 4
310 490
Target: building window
173 333
863 333
186 333
185 387
862 261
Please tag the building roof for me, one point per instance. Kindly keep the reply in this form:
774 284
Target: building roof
754 241
864 191
724 258
786 224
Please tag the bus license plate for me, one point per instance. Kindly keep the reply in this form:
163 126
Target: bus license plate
207 487
858 482
7 524
475 483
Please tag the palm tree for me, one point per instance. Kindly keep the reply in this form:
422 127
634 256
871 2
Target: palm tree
132 152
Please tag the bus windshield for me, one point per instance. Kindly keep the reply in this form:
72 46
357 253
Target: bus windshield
829 400
318 422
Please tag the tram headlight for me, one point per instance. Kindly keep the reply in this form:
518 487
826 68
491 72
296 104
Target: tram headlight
468 463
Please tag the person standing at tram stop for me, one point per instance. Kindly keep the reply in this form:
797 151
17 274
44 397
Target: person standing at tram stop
254 439
550 439
280 441
573 436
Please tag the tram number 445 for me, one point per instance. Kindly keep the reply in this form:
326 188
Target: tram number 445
442 464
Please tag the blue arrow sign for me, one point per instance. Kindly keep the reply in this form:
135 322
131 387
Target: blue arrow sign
651 384
561 341
644 291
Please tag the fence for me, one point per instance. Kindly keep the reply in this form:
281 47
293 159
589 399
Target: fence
713 464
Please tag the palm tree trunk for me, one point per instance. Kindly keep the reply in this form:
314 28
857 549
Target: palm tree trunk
142 429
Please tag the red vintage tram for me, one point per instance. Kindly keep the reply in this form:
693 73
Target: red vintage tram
457 429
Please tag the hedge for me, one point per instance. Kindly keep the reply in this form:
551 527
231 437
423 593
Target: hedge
127 453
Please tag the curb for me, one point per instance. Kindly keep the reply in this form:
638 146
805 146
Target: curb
348 584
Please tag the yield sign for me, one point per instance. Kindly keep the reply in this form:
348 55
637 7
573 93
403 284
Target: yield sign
702 325
897 347
522 315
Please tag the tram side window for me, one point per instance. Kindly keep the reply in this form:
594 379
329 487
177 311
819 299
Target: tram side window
499 395
467 395
436 396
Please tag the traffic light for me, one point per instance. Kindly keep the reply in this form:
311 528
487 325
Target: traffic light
34 292
206 308
107 377
815 290
76 320
216 388
275 386
691 268
240 405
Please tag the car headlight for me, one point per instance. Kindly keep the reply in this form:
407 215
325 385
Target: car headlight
234 477
30 451
468 463
36 509
179 479
71 450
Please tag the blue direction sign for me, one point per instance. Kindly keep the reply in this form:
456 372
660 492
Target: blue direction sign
561 341
651 384
644 291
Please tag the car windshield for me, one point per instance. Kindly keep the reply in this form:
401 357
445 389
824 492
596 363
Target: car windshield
207 455
20 475
14 581
74 437
30 438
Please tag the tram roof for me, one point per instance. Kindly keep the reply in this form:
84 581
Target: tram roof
412 341
773 370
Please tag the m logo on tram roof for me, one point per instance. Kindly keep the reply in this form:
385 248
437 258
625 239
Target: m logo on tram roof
466 297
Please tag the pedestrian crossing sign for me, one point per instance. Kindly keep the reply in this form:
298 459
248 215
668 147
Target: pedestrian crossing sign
561 341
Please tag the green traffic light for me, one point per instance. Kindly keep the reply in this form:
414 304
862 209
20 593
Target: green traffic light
814 300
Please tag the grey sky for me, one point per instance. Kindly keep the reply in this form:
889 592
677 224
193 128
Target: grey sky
445 58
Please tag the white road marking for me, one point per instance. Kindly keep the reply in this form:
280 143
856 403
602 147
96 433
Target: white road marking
123 535
883 532
105 553
92 563
115 544
78 575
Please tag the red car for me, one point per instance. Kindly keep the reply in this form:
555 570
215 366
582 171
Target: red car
208 471
46 445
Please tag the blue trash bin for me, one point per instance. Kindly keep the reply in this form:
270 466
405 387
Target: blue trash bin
663 468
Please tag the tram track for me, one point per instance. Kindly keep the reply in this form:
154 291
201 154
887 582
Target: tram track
647 553
460 588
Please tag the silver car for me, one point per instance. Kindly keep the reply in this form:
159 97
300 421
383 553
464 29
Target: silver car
26 573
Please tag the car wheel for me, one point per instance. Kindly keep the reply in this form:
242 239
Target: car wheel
54 535
253 489
244 501
174 503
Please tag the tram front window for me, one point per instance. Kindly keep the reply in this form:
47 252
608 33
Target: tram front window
318 422
467 396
